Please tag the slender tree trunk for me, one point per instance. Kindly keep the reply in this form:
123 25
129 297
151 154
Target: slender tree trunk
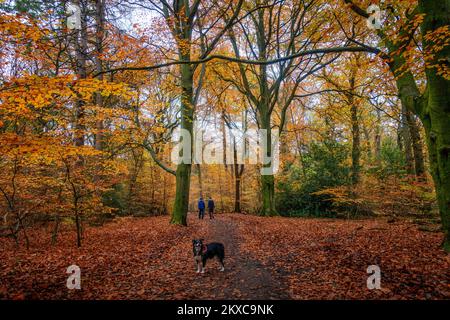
299 147
416 144
378 139
99 20
77 223
200 182
368 144
138 163
356 138
237 179
224 139
356 148
237 195
406 137
80 39
81 70
399 135
221 191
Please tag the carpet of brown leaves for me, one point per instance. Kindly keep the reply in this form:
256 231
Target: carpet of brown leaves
266 258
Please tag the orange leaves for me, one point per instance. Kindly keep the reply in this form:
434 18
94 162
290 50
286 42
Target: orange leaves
85 88
265 258
387 197
327 259
437 41
22 96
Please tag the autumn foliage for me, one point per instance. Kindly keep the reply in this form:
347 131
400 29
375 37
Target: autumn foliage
90 117
312 259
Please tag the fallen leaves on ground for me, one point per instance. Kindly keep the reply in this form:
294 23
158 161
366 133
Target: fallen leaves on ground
266 258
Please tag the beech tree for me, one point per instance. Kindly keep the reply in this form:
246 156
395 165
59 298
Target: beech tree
286 28
430 104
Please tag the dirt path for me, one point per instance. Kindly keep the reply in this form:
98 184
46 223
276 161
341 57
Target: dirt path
244 277
250 280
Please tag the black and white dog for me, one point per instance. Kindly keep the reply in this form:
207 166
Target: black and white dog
203 252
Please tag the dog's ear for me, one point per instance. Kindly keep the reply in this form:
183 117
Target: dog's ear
193 241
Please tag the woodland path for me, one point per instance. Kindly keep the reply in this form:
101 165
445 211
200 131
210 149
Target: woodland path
248 279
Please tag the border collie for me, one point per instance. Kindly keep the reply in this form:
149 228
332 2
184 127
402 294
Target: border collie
203 252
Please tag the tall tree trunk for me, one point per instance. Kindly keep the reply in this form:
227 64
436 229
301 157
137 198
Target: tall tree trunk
436 114
80 39
183 172
81 70
356 138
99 21
237 179
200 181
267 180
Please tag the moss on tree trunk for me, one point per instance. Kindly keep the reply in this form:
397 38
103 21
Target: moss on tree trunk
435 113
183 172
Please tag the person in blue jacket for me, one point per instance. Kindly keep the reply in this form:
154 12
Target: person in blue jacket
201 208
211 207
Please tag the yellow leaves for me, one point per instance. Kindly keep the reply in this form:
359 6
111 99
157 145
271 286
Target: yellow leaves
338 195
41 149
31 91
22 97
85 88
46 175
439 35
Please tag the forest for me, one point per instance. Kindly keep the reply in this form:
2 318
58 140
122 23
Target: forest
320 129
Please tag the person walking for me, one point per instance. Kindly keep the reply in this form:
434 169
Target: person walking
201 208
211 207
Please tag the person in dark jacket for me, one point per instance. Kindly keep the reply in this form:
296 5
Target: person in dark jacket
211 208
201 208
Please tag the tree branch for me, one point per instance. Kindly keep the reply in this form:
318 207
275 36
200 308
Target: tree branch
149 148
238 60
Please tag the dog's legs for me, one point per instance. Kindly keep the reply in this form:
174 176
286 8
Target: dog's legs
220 261
221 257
197 264
203 264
